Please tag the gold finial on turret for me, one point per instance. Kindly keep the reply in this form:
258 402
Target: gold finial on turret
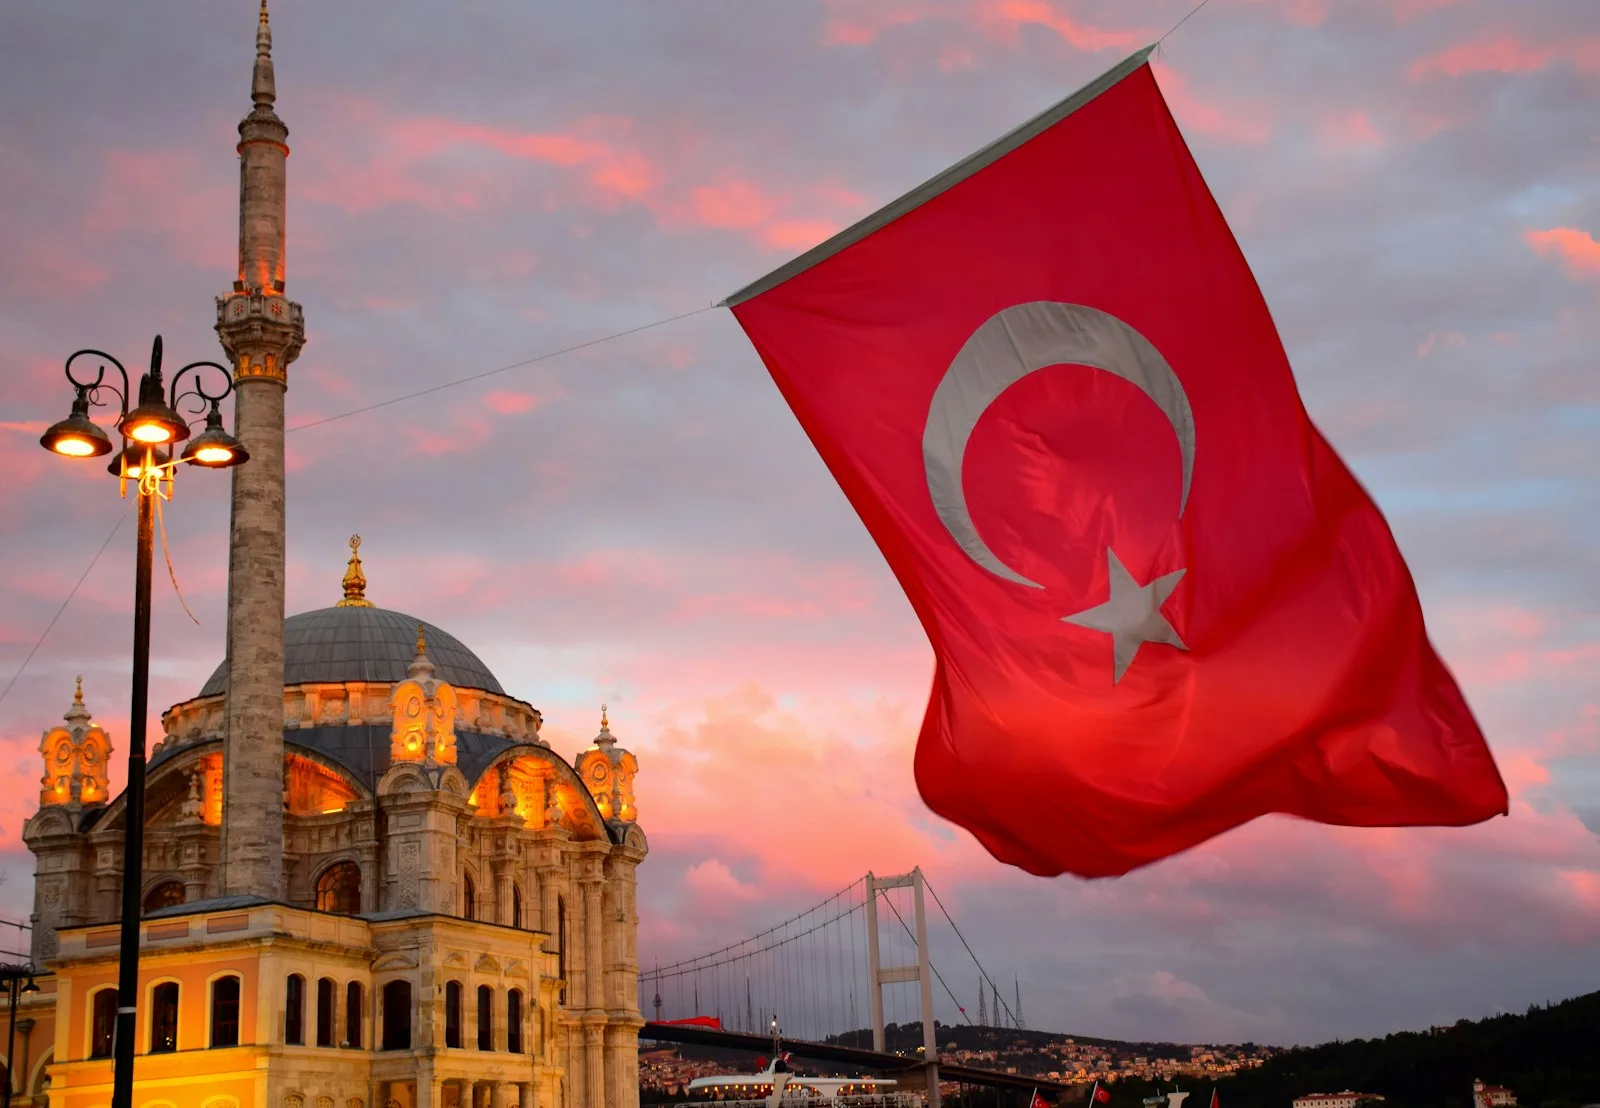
355 582
77 695
604 723
422 642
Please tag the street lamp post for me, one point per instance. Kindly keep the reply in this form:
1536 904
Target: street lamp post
14 977
151 430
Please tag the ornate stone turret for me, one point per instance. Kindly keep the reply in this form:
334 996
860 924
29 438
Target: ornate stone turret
609 770
75 758
424 712
262 331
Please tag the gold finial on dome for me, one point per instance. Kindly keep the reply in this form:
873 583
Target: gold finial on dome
355 582
422 640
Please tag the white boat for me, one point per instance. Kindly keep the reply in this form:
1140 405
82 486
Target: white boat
778 1086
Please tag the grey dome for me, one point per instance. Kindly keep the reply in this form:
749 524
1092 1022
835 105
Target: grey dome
366 644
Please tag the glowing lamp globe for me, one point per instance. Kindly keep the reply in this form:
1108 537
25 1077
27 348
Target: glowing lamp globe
76 436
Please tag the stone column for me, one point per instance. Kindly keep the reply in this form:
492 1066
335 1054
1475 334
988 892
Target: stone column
549 889
262 331
500 1093
502 893
593 943
595 1093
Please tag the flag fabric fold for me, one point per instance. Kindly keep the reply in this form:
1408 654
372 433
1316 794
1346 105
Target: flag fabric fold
1160 605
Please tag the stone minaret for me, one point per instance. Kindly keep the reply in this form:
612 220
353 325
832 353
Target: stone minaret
262 331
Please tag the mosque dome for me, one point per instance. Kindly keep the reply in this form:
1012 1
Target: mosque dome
353 641
366 644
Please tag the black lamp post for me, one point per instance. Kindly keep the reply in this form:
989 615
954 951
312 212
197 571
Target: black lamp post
14 977
151 430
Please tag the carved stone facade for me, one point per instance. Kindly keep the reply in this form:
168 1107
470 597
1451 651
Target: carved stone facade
495 865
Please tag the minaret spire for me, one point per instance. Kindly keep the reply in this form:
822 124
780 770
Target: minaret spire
263 86
262 331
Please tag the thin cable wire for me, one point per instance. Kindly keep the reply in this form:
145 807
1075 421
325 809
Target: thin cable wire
763 934
161 524
931 966
1182 21
503 369
84 576
951 921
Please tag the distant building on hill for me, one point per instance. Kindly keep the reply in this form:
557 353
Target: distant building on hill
1492 1096
1346 1099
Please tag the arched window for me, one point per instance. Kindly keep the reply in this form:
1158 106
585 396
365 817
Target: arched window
164 1017
516 906
353 1001
469 897
514 1021
452 1013
339 889
397 1015
325 1014
485 1018
103 1028
561 945
164 895
225 1011
294 1011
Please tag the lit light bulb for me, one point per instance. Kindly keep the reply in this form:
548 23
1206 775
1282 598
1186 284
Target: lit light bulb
74 447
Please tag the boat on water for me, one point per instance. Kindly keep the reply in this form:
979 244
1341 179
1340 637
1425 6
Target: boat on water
777 1085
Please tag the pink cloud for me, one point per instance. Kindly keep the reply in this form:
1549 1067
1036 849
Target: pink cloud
1577 249
1235 123
1351 129
511 403
1506 54
853 24
451 166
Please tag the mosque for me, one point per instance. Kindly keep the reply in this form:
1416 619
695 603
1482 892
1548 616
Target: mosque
368 882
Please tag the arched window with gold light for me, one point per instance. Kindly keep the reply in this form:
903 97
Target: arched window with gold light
104 1023
339 889
165 895
164 1018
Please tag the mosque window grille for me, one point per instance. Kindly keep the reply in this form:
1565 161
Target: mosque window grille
225 1011
294 1010
103 1023
514 1021
164 1018
485 1017
167 894
452 1014
327 994
354 1002
397 1015
339 889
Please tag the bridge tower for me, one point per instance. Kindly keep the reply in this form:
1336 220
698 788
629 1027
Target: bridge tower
879 975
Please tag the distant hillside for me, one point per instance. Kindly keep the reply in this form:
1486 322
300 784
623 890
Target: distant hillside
1549 1057
908 1036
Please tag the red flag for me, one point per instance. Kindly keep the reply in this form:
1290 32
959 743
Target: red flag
1214 1098
1103 1096
1160 605
1038 1101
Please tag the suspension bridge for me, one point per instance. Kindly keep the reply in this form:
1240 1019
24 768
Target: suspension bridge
850 982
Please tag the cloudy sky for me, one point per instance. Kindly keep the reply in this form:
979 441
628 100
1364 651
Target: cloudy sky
643 523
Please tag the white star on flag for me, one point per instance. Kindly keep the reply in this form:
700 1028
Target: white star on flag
1132 615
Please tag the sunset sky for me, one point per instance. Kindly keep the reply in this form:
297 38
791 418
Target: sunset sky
643 523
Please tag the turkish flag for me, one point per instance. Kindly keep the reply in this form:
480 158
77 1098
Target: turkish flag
1160 605
1038 1101
1103 1096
